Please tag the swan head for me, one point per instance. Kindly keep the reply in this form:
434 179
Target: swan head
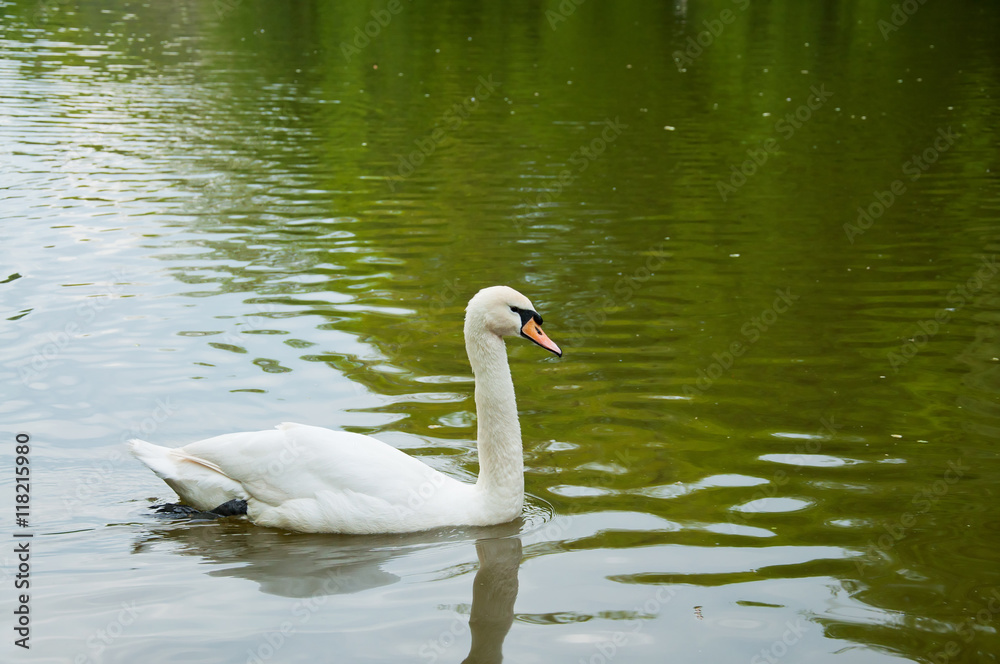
506 313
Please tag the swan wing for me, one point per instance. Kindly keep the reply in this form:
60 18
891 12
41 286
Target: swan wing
296 461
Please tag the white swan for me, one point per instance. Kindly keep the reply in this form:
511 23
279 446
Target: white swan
311 479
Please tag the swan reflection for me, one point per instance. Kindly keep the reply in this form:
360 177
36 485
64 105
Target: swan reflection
314 566
493 595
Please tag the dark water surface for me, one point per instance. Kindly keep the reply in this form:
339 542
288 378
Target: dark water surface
765 234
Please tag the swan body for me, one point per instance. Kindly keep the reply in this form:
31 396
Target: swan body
311 479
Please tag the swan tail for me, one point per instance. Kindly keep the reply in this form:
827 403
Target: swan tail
198 482
156 457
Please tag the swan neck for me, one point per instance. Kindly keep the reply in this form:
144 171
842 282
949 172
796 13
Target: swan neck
501 463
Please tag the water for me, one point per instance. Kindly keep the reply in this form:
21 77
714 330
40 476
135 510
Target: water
773 432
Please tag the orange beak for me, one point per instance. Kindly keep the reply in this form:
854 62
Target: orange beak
532 330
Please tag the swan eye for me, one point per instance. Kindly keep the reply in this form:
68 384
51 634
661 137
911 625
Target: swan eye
515 310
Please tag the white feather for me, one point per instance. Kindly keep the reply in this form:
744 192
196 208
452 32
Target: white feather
312 479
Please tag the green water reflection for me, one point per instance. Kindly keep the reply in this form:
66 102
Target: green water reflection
763 232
